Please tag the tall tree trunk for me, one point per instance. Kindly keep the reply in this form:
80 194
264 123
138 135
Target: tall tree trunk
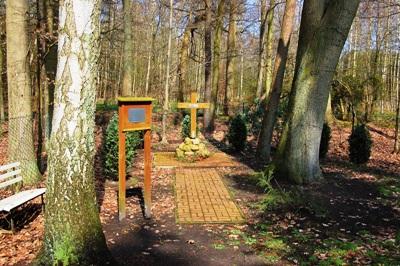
183 62
262 48
20 138
231 54
127 70
50 64
153 34
216 66
397 125
329 116
167 76
2 109
207 62
269 48
73 233
269 119
323 32
354 58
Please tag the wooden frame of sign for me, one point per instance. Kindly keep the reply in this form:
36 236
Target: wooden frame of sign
134 114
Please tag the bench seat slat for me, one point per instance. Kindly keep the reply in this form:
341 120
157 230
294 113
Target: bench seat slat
9 166
10 182
20 198
9 174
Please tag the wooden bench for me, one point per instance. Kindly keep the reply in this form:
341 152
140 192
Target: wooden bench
10 175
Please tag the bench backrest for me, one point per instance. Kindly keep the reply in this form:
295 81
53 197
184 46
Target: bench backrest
10 174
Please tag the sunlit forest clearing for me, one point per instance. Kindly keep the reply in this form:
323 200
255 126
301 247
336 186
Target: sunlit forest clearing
212 132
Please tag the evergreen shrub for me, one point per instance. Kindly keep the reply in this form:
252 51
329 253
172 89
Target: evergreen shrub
360 145
325 138
237 134
185 125
110 148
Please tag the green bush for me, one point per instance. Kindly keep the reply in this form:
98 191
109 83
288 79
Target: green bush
110 148
237 133
360 145
325 138
185 125
253 115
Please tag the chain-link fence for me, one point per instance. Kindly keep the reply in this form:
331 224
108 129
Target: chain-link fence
19 142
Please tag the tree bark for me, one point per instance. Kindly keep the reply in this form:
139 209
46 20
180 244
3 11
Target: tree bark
216 66
207 62
268 53
183 62
231 54
262 48
269 119
397 123
20 138
73 233
2 109
50 64
127 69
323 32
166 88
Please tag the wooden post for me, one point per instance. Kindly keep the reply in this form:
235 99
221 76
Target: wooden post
147 173
193 116
121 169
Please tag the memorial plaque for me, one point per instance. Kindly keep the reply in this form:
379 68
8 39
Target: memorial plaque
136 115
193 106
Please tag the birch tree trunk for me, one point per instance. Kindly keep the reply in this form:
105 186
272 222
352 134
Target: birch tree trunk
216 66
166 88
231 54
323 32
127 69
20 138
149 59
73 233
269 119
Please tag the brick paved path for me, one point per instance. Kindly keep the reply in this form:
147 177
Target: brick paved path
219 159
202 197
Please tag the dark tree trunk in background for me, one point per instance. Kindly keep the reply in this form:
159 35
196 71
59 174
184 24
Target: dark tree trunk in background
231 60
207 63
127 69
216 66
269 119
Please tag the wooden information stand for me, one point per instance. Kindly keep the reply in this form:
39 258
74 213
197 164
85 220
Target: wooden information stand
134 114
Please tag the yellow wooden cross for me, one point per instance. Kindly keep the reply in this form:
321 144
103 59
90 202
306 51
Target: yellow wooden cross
193 106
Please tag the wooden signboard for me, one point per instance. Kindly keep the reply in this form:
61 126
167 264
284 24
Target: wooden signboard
134 114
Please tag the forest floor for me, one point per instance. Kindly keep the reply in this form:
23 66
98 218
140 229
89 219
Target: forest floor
350 217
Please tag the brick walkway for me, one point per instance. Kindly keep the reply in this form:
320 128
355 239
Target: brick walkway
202 197
218 159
